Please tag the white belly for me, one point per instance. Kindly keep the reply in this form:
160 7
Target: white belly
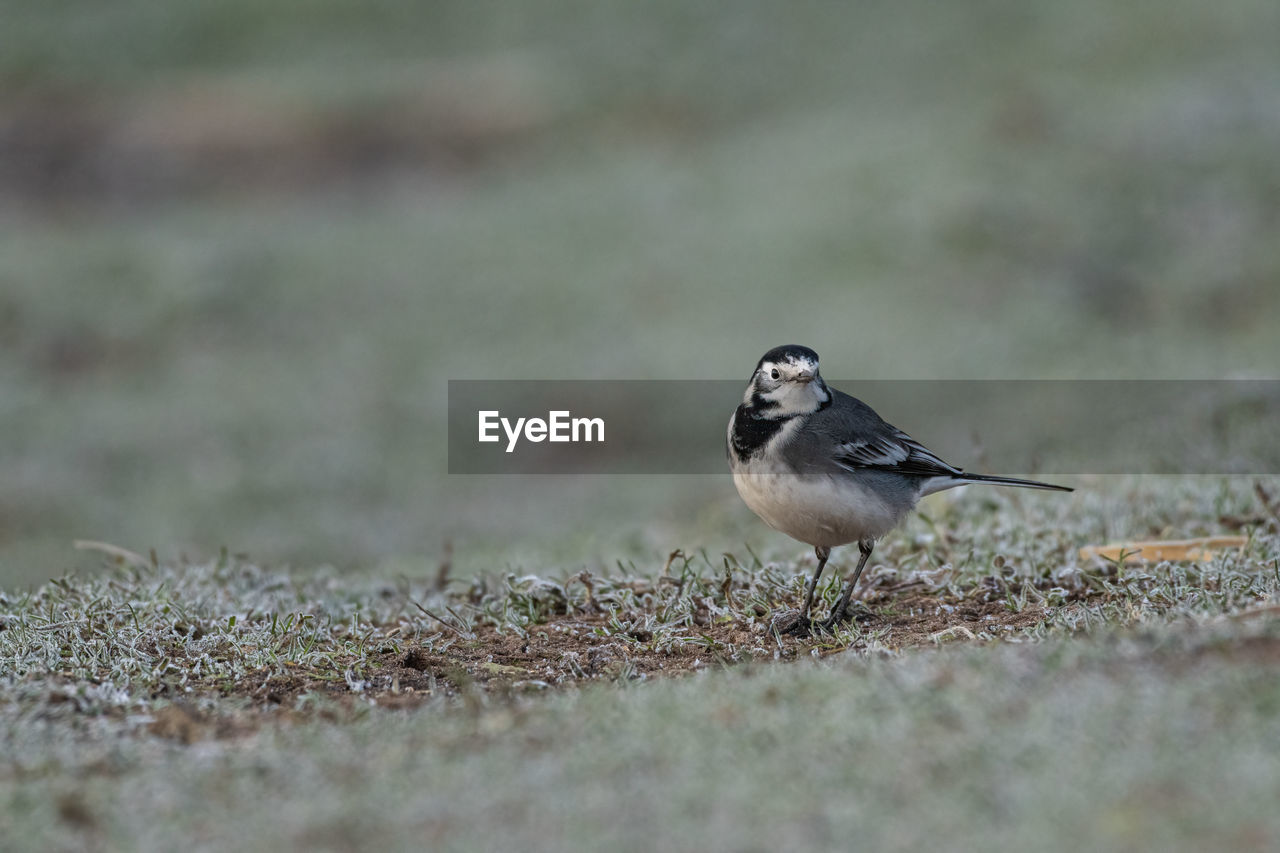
822 510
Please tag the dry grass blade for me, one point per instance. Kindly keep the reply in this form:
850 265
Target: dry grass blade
1173 550
1272 508
133 558
461 632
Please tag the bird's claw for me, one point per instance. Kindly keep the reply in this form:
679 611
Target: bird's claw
841 616
792 623
829 624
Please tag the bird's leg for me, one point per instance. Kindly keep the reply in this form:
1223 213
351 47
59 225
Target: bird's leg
798 624
838 612
822 554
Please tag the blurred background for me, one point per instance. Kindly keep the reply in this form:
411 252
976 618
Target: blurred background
244 245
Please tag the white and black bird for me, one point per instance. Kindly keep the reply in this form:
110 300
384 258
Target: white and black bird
824 468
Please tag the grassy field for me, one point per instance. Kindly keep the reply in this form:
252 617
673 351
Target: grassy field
1011 696
244 247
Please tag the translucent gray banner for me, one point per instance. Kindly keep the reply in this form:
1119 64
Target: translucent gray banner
1014 427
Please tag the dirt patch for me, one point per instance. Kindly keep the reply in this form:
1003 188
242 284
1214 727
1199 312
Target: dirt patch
915 620
574 648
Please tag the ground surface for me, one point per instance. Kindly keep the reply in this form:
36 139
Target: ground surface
1006 700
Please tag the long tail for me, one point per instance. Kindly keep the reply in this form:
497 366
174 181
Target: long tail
1011 481
938 484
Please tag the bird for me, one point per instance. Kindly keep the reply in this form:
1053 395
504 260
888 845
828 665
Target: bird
824 468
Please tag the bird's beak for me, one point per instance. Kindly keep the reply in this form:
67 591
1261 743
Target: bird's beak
804 377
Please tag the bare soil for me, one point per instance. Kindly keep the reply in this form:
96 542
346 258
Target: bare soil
573 649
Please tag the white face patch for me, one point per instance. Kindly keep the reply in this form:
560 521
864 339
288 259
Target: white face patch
788 388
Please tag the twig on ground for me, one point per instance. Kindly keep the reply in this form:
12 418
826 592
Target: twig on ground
466 635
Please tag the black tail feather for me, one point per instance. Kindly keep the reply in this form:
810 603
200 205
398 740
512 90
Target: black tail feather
966 477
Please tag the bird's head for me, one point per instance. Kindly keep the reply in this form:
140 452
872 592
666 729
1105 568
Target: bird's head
786 382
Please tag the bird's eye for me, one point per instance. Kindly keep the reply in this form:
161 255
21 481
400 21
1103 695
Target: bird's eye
774 373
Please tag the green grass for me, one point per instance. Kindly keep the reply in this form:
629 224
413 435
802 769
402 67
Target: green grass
1139 712
1149 742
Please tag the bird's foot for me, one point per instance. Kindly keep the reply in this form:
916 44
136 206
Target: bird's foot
792 623
840 616
830 624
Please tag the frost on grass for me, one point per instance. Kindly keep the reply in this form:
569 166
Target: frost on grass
143 639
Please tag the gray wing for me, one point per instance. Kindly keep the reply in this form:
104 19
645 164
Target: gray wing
850 435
